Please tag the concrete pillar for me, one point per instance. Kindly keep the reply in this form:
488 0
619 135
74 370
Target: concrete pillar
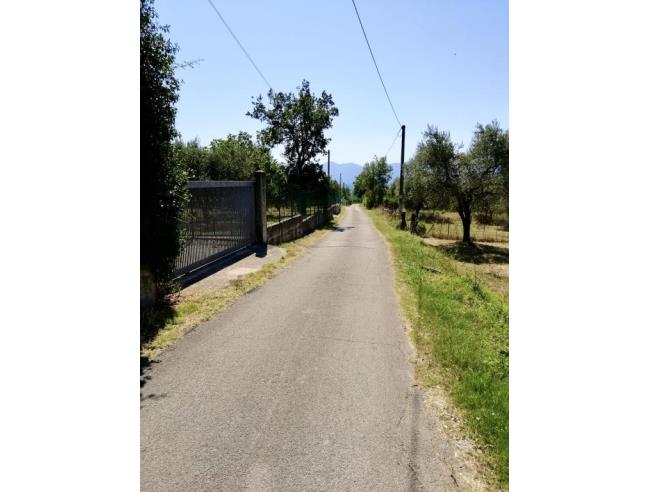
260 207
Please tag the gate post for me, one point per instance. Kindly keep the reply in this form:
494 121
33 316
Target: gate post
261 231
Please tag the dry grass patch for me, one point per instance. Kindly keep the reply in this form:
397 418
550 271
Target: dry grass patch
487 263
447 225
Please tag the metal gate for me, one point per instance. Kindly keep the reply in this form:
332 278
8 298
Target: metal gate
218 221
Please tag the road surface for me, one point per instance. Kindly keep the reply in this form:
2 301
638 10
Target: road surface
304 384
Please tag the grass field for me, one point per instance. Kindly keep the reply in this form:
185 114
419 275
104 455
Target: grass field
447 225
460 328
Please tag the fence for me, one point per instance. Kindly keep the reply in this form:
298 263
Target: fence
294 227
225 216
478 232
218 221
294 202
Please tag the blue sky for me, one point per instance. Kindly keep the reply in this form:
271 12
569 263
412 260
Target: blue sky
443 62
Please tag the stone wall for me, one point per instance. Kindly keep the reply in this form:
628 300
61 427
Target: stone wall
286 230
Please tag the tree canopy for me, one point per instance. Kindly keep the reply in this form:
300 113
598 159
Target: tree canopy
193 157
234 158
491 146
471 179
371 184
297 121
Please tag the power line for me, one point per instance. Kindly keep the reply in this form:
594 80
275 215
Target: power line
240 45
393 142
374 60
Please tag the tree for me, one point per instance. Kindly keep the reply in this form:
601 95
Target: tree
276 181
491 145
469 178
298 122
391 197
236 158
371 184
360 185
421 191
162 178
193 158
418 190
346 194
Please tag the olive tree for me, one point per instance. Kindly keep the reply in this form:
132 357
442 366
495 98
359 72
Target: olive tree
418 190
468 178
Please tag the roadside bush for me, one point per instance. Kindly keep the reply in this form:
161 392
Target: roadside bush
162 178
391 202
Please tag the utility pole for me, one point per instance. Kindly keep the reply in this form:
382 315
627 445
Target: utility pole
340 198
328 168
401 201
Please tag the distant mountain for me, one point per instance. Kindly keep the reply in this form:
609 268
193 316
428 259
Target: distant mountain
350 170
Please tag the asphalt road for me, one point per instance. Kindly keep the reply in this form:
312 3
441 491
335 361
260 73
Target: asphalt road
304 384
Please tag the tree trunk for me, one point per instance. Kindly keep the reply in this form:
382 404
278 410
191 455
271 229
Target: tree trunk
466 229
465 214
414 221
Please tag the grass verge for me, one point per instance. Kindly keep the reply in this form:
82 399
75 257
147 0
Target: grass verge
487 262
460 329
187 311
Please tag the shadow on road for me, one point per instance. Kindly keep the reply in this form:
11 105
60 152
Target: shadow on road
154 318
145 377
145 367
